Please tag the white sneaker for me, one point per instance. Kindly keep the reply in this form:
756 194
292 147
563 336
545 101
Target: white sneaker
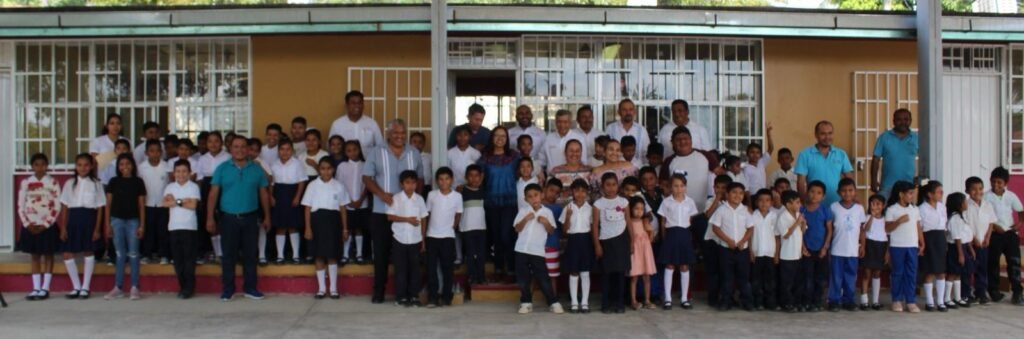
525 308
114 293
556 308
134 293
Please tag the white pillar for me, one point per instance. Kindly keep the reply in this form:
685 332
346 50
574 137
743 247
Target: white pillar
7 146
929 87
439 83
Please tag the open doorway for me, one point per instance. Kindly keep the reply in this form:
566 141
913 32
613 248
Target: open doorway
495 90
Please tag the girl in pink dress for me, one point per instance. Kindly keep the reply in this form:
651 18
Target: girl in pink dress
642 255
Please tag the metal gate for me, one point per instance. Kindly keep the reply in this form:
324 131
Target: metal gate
875 96
395 92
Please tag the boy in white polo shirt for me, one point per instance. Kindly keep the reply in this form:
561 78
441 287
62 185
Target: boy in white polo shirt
407 214
445 206
1005 239
848 220
762 251
982 218
154 173
731 225
533 225
789 230
182 197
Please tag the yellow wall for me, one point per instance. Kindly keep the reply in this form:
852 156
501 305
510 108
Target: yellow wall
807 80
308 74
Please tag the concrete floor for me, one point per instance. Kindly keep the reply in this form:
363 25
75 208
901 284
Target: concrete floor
293 316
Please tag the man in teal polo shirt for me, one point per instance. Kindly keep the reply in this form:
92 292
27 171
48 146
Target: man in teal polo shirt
243 186
823 161
896 149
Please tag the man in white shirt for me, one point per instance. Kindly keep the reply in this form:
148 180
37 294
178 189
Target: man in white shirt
585 127
1005 239
627 125
524 125
554 144
681 117
356 126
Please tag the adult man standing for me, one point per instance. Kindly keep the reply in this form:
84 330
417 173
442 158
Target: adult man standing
356 126
897 149
554 144
380 175
823 162
239 190
585 126
479 135
524 125
681 117
627 125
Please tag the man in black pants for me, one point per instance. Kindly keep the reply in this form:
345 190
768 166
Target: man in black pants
380 175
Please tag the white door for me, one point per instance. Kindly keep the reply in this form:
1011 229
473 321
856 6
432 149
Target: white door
971 119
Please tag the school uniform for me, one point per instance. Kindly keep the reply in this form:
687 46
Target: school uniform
350 174
520 191
734 264
473 227
325 200
958 229
845 250
428 178
933 223
790 175
755 173
406 247
182 224
709 250
269 154
876 244
980 216
762 247
529 250
790 252
459 159
903 252
1004 242
83 197
156 241
815 268
677 244
736 177
193 163
312 172
579 249
39 205
616 247
441 243
287 176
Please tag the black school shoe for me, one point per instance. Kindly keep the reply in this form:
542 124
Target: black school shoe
864 307
72 295
876 306
850 307
941 308
929 308
686 305
997 297
983 301
833 307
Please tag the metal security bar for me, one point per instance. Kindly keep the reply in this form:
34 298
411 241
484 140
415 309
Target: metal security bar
875 96
1016 108
395 92
483 53
64 90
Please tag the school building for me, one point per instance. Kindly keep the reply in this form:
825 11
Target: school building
194 69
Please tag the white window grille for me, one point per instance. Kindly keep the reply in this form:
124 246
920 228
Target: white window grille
64 90
876 95
483 53
395 92
1016 103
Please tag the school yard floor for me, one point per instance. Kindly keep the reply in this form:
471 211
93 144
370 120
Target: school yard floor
299 316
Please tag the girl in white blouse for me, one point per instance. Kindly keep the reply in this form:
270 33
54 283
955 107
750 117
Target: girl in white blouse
350 174
323 203
82 198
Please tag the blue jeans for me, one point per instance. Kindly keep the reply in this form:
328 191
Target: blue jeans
904 273
127 246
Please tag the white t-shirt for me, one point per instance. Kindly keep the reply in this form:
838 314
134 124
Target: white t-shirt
209 162
905 235
554 148
613 216
876 230
458 160
325 195
180 218
520 194
790 248
790 175
269 154
536 134
533 236
474 217
588 143
350 174
695 168
406 206
87 194
428 176
312 170
980 217
846 226
1004 206
762 242
677 213
709 233
616 131
733 221
582 217
365 130
755 173
443 208
933 218
155 178
290 172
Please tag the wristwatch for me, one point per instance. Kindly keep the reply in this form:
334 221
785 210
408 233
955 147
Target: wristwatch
179 202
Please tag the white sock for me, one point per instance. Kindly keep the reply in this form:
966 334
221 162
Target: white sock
949 291
458 247
928 290
90 263
279 240
73 273
320 281
46 281
262 243
574 284
332 274
347 246
668 284
956 290
215 241
864 298
940 288
684 286
876 285
359 246
36 282
585 288
294 238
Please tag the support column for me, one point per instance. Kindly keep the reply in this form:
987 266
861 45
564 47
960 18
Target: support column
439 83
929 88
7 108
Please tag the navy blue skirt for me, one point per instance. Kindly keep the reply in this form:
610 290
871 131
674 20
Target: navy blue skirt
934 259
953 265
617 258
579 254
677 247
283 215
326 226
874 254
81 225
46 242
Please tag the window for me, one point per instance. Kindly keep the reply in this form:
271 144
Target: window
1016 99
64 91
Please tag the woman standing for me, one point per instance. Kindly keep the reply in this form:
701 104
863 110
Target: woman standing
499 164
572 169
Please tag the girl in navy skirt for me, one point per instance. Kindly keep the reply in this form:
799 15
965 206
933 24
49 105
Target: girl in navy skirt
289 175
677 246
933 262
350 174
960 256
578 258
38 208
325 213
874 254
82 198
612 243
